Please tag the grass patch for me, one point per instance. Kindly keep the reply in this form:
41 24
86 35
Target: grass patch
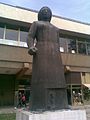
10 116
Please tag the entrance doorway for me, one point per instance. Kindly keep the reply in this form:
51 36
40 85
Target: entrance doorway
75 95
24 87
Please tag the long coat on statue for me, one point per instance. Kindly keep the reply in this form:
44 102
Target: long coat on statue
48 83
47 64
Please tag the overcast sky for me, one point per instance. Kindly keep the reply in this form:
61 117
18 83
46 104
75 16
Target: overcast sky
72 9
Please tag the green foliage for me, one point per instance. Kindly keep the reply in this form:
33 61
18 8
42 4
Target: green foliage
10 116
86 93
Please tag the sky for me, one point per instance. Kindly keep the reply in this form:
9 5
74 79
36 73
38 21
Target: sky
72 9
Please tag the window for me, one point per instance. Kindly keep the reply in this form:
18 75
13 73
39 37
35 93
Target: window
75 45
72 46
81 48
23 36
63 44
67 45
11 34
88 48
1 33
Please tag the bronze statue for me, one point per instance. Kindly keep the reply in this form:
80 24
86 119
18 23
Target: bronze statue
48 88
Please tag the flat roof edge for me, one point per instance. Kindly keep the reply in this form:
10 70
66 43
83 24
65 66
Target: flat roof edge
57 16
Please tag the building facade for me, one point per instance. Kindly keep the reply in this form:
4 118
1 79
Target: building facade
16 64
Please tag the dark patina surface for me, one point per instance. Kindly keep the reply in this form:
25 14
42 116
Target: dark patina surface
48 87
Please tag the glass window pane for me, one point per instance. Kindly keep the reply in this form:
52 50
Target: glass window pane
23 36
81 48
88 49
72 46
1 33
67 45
11 34
63 44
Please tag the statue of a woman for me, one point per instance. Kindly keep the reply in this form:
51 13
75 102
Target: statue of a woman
48 88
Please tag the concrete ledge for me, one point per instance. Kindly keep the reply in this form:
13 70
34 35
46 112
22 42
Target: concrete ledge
51 115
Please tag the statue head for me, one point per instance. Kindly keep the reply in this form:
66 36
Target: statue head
45 14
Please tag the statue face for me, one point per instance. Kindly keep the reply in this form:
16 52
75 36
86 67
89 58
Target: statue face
45 14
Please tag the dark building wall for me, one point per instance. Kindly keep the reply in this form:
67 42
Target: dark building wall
73 78
7 88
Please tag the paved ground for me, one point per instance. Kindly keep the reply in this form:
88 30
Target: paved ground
7 110
85 107
13 110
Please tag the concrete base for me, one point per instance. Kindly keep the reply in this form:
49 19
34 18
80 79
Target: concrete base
52 115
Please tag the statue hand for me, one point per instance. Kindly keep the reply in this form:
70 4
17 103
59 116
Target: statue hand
32 50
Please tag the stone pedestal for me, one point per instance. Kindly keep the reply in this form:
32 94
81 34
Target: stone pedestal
52 115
